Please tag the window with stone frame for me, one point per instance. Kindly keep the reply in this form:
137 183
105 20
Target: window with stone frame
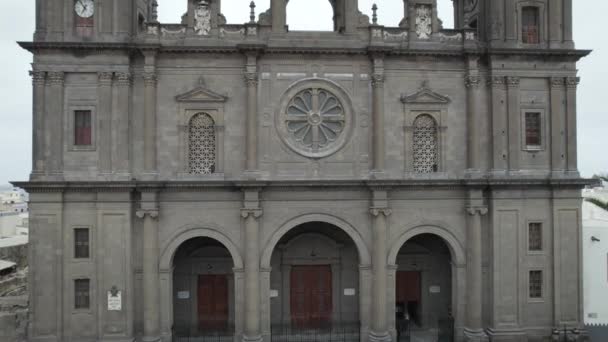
535 236
82 294
81 243
83 128
530 28
202 154
425 144
533 129
536 284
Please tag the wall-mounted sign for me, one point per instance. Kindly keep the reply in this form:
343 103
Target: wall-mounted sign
274 293
349 292
114 300
183 294
435 289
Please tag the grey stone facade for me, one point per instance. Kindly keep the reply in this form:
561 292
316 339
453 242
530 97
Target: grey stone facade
340 177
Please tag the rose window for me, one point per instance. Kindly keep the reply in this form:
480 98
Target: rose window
425 144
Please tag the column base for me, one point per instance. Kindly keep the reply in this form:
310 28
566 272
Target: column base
377 174
252 175
475 335
257 338
151 339
507 335
379 337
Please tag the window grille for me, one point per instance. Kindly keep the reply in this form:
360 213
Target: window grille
82 128
425 144
202 144
535 236
82 293
533 130
536 284
81 243
530 19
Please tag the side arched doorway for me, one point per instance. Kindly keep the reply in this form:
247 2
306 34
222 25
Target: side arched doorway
316 284
426 280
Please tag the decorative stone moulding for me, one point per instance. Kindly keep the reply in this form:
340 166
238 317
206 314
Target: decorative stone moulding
315 118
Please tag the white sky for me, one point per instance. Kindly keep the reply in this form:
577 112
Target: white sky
17 24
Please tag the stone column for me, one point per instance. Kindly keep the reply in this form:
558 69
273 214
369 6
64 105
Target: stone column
122 124
150 83
499 124
474 325
473 103
571 85
104 113
558 139
278 12
514 122
38 130
251 80
151 289
53 124
379 329
251 214
378 113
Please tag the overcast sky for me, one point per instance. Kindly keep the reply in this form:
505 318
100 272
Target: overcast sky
17 24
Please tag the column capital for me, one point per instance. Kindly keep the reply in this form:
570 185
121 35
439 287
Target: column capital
150 78
497 81
251 79
38 77
572 82
56 77
477 210
384 211
123 79
253 213
472 81
104 78
557 82
512 82
378 80
152 213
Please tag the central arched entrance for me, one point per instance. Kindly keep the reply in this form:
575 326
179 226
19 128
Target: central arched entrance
315 284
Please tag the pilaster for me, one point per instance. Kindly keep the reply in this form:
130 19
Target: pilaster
279 15
251 213
514 120
104 112
38 129
150 93
380 212
571 142
252 81
558 138
53 124
555 23
122 118
499 124
378 114
472 82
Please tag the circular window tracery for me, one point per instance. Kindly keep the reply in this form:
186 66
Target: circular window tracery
313 119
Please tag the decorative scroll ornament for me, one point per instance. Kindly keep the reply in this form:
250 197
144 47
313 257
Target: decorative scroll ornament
424 21
202 18
202 152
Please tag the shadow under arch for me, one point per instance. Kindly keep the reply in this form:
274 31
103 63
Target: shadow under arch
456 249
364 255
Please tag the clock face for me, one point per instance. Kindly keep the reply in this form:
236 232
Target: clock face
84 8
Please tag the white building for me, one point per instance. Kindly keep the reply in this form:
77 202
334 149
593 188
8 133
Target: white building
595 258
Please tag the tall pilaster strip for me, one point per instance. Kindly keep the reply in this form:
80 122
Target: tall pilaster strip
472 82
252 275
510 22
151 290
555 23
251 81
150 122
514 121
558 138
379 331
571 86
278 15
53 123
104 112
38 146
499 123
474 324
378 112
121 160
567 26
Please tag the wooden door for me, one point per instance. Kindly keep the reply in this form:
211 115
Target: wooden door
311 296
408 287
212 302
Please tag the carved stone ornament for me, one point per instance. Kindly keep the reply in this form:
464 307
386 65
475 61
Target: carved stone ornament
201 94
557 82
425 95
105 78
513 82
377 211
38 77
152 213
202 18
472 81
481 210
572 82
497 81
149 78
123 79
56 77
424 21
253 213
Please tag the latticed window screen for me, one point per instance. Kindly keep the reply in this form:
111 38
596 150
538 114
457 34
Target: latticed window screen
202 144
425 144
535 236
536 284
529 23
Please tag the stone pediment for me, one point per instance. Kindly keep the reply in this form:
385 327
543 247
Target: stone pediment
201 94
425 95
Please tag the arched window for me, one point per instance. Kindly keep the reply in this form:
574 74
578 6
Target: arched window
202 144
425 144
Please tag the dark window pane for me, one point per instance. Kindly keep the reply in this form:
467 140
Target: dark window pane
82 128
536 284
533 129
81 293
530 20
81 243
535 236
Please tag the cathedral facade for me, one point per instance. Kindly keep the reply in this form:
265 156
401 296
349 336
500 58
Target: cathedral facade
248 182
